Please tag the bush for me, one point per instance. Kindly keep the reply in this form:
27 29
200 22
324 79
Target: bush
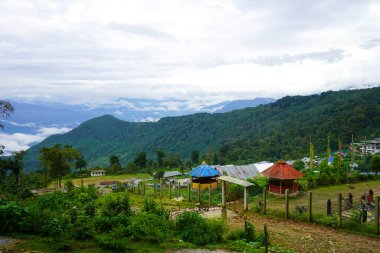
150 206
114 207
150 227
14 218
195 229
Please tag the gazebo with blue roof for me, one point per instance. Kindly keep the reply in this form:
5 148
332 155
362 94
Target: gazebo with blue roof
204 176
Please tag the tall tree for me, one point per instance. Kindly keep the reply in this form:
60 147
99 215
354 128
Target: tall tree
6 109
340 155
58 160
311 162
328 150
114 159
160 157
16 166
194 156
375 163
141 159
80 163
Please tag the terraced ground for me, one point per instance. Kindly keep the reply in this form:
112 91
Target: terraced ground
304 237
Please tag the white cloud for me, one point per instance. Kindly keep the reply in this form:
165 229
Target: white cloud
19 141
200 51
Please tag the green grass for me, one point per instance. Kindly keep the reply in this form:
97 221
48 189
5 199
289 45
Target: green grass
96 180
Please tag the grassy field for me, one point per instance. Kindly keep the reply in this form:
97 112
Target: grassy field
96 180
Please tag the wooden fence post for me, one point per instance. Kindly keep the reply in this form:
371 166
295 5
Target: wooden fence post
199 193
310 207
223 194
189 191
266 238
264 200
144 188
170 189
377 213
161 188
210 197
287 203
178 193
154 189
339 210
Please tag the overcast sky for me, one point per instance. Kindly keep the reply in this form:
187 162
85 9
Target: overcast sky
98 51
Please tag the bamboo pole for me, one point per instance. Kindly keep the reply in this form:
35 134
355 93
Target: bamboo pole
170 189
210 197
310 206
161 188
287 203
178 190
264 200
377 212
199 193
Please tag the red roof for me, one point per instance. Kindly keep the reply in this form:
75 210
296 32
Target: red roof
282 170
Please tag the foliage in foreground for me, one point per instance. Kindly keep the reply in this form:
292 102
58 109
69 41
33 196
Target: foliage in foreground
112 222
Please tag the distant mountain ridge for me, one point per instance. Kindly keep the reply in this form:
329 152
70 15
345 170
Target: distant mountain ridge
241 104
268 132
31 115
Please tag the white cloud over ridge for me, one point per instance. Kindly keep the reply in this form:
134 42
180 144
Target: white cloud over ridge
20 141
98 51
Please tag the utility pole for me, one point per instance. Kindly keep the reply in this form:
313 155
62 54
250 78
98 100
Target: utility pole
365 153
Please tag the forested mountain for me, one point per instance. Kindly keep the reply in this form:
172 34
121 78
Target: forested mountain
281 129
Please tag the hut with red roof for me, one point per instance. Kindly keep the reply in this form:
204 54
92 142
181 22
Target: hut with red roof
281 177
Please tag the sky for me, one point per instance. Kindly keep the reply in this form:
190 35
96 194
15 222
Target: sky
96 52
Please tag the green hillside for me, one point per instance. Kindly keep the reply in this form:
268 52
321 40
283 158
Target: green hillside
268 132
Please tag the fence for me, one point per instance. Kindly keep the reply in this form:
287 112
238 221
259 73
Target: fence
325 208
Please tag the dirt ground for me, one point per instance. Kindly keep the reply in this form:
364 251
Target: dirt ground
304 237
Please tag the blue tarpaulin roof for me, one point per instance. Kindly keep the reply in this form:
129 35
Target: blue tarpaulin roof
204 170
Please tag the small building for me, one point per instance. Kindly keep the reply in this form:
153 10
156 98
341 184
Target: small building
281 177
204 176
171 174
370 147
238 171
108 184
98 173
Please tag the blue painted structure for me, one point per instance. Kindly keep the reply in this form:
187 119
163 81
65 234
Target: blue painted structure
204 170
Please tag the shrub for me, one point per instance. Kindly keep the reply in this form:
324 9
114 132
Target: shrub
120 205
14 217
150 206
195 229
150 227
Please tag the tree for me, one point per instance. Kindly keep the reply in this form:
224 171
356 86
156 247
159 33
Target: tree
173 161
6 109
114 159
141 159
375 163
298 165
80 163
58 160
16 166
160 157
194 156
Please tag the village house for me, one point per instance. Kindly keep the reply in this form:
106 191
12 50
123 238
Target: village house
98 173
370 146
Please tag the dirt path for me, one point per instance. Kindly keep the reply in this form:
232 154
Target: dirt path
304 237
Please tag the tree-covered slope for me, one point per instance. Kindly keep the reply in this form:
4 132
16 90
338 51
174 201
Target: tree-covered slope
267 132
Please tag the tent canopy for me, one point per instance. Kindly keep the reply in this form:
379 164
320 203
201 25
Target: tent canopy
204 170
282 170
